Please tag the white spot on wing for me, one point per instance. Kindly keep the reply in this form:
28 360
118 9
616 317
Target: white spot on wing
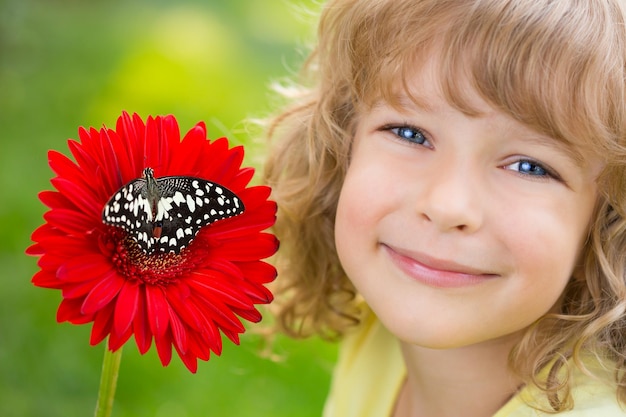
146 207
178 198
165 203
191 204
163 206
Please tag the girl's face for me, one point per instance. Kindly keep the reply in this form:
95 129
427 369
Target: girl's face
459 230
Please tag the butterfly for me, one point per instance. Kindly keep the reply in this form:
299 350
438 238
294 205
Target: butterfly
165 214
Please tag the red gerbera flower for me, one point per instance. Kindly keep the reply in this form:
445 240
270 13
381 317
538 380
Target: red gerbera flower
178 298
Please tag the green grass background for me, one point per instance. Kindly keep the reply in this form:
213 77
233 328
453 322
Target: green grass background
67 63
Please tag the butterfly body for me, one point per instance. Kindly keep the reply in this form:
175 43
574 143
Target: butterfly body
165 214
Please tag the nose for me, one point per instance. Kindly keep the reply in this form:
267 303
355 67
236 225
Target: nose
451 199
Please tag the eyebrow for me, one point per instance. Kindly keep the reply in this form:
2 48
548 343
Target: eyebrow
406 102
569 148
416 102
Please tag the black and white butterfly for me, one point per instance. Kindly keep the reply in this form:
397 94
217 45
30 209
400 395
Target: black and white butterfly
165 214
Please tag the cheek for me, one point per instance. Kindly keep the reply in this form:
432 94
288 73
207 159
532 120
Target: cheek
545 246
353 217
361 206
360 197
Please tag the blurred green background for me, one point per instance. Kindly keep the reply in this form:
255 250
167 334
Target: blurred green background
65 63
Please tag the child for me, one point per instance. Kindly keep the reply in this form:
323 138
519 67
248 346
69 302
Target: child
451 180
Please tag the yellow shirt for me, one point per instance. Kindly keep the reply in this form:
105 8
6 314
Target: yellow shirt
370 372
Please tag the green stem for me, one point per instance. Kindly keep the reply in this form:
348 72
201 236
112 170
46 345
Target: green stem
108 382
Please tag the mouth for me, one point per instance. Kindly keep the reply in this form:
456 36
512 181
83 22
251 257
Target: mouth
435 272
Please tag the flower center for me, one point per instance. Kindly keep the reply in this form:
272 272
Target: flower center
158 268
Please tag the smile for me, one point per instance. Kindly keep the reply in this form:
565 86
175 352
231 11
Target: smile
436 272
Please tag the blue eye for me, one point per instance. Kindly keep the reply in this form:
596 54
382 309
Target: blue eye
531 168
409 134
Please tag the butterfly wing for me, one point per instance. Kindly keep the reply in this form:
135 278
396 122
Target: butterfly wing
188 204
130 209
169 219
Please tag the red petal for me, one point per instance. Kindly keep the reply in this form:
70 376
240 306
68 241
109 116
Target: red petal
84 267
173 132
125 154
62 250
211 335
224 266
167 144
255 196
35 250
259 271
65 167
78 290
190 358
53 238
252 315
241 227
229 164
233 336
179 332
128 130
186 158
256 292
70 221
183 308
220 313
190 362
112 174
132 131
81 197
141 327
164 348
158 316
54 199
158 132
103 293
46 279
83 158
101 325
261 246
198 132
199 346
242 179
216 288
126 307
69 310
46 232
116 341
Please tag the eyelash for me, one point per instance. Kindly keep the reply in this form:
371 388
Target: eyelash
417 137
413 135
545 172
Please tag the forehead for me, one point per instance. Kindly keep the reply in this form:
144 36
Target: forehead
424 88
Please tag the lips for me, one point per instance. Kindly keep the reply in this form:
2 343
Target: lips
436 272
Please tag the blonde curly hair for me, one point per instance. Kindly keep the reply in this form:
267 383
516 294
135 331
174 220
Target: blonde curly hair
556 66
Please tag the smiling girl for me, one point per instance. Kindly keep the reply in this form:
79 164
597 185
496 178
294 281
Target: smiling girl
452 196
